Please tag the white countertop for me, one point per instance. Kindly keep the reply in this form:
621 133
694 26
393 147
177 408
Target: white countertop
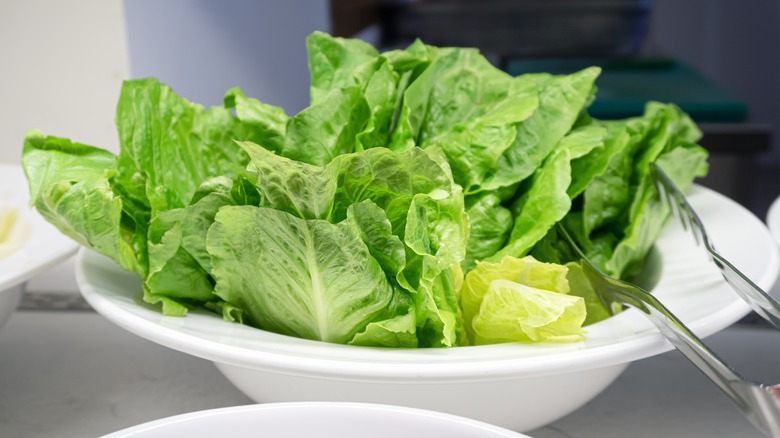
74 374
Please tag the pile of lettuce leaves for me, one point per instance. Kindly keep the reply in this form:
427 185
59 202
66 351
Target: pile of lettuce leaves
412 204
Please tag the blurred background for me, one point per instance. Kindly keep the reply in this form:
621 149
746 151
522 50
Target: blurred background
63 62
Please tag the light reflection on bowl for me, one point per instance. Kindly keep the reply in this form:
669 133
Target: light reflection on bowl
773 219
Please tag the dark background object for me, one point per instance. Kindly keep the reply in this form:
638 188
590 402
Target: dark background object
528 28
349 17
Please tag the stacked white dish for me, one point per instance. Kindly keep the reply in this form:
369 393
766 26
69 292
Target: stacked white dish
29 245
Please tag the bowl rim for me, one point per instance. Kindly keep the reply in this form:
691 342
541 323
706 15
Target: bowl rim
310 406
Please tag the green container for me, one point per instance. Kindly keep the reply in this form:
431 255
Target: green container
625 85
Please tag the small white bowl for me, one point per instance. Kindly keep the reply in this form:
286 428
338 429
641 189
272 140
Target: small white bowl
516 386
36 245
316 420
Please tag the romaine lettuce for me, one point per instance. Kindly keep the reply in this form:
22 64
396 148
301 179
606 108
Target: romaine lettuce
520 300
393 211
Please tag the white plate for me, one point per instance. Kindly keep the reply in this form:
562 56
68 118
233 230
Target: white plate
316 420
773 219
41 245
543 381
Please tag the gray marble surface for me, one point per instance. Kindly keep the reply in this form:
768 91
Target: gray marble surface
74 374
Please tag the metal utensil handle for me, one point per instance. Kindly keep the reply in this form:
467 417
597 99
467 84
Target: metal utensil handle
760 301
758 403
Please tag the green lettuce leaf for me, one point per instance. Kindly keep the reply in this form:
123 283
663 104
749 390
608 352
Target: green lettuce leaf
425 210
329 128
649 213
337 63
474 146
377 233
436 235
70 186
390 179
513 312
382 97
332 62
491 225
177 249
169 146
397 332
617 217
468 108
267 123
302 189
607 141
526 271
640 217
561 100
304 278
547 200
520 300
580 286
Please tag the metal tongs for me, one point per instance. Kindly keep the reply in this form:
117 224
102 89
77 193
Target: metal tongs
760 403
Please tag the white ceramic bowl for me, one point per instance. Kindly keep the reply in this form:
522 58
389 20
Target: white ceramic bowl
316 420
516 386
36 244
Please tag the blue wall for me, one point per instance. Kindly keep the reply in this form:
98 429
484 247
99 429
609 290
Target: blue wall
201 47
